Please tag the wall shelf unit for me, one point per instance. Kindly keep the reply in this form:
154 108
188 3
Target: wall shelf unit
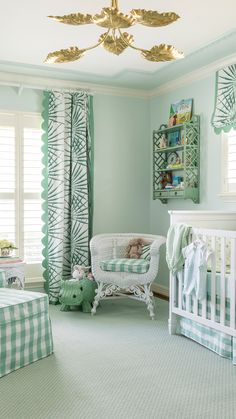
176 161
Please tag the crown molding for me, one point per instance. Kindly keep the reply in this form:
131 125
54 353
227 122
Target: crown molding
188 78
22 81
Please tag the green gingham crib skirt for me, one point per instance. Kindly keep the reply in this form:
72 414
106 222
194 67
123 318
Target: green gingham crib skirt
221 343
25 329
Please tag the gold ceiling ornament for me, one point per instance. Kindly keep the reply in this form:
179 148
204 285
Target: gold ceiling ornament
114 40
65 55
111 18
152 18
74 19
161 52
116 44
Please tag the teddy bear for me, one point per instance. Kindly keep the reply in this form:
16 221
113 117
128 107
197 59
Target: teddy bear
166 179
134 248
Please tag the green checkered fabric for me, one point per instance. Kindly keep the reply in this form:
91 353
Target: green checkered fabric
219 342
25 329
138 266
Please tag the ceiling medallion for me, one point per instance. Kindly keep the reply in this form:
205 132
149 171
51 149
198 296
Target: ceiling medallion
114 40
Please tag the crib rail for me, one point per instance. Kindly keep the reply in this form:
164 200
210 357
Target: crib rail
217 309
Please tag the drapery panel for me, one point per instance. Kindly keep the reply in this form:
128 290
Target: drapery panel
224 115
67 185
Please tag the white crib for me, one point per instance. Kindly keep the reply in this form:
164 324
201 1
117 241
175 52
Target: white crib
211 321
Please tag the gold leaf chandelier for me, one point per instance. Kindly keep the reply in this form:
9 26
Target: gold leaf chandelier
114 40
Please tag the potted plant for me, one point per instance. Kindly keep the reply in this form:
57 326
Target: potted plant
6 247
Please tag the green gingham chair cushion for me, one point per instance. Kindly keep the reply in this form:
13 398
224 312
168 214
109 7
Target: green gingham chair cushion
139 266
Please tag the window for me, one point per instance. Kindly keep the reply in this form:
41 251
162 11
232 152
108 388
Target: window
229 164
20 186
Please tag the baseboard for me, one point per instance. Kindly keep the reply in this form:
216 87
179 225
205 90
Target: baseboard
160 290
32 283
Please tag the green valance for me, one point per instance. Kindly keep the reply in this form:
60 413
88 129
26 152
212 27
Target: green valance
224 115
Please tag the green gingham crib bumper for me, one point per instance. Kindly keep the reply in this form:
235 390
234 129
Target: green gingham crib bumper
219 342
139 266
25 329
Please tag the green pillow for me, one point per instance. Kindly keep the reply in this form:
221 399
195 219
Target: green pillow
146 252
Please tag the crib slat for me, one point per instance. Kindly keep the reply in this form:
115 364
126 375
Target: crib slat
204 302
188 303
232 282
222 280
180 290
173 290
204 308
213 279
195 305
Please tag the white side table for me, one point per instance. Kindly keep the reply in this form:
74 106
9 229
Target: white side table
15 274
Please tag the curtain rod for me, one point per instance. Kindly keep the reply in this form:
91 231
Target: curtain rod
22 86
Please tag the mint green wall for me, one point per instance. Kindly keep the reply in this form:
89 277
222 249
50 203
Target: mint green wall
122 162
28 101
122 157
202 92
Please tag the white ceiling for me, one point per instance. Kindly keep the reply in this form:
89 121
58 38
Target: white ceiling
27 35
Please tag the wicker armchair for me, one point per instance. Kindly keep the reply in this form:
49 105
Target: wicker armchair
110 247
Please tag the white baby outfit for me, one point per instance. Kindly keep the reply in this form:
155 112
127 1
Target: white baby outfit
195 268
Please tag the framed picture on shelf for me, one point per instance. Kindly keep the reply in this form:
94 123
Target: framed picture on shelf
180 112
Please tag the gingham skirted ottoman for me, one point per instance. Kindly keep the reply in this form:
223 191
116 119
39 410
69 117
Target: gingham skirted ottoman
25 329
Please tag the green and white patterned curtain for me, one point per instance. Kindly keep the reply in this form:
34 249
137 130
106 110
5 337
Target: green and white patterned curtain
67 194
224 115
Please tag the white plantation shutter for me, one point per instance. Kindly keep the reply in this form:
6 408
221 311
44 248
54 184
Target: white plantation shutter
228 166
7 178
20 185
32 156
231 161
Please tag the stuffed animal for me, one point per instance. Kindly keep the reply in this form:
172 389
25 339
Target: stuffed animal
77 294
165 179
80 272
163 141
134 248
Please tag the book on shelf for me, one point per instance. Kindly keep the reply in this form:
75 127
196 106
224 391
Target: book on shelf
173 138
180 112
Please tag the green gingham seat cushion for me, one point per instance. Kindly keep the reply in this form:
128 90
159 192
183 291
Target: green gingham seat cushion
139 266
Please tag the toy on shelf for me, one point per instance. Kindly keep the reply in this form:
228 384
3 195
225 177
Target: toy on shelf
163 141
172 120
166 179
177 181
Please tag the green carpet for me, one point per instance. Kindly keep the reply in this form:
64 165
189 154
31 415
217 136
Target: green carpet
120 364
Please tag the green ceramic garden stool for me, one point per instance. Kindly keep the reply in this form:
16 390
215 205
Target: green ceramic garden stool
77 293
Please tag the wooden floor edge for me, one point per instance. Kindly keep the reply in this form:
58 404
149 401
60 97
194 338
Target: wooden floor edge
161 296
